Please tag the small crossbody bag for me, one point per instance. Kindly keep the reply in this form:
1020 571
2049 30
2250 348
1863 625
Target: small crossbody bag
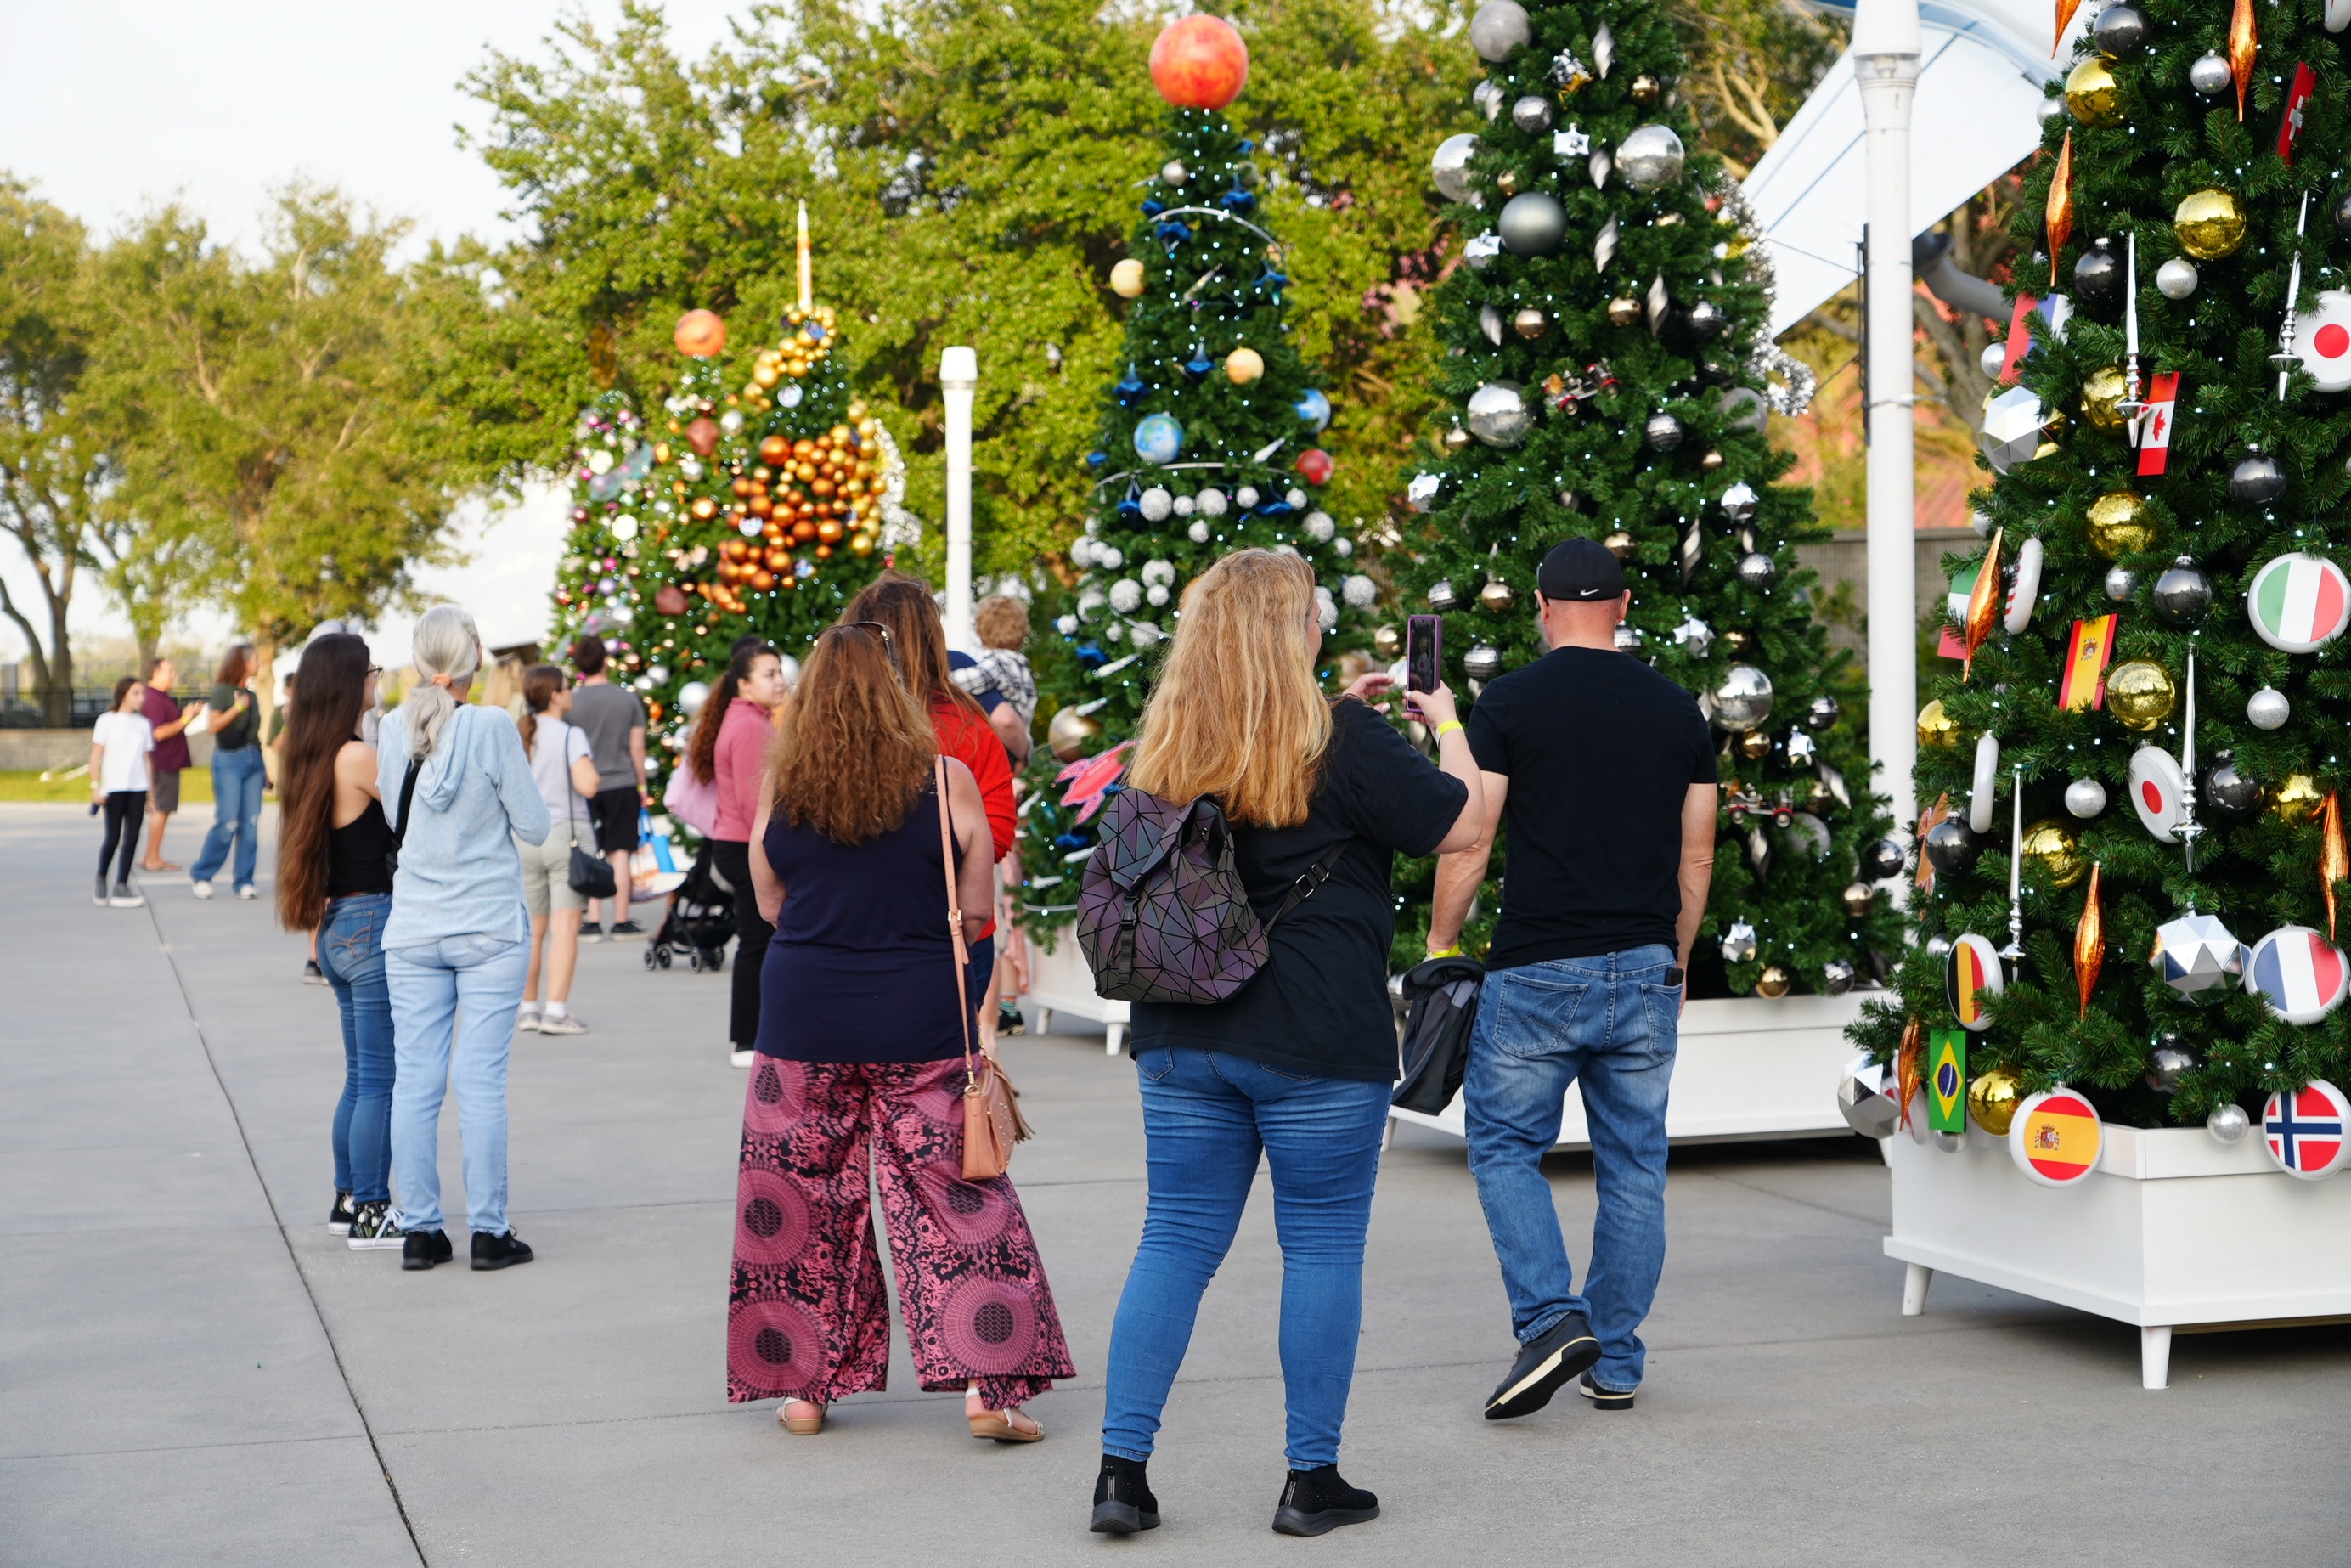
992 1122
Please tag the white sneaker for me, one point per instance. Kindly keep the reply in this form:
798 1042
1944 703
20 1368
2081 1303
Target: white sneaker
125 896
568 1024
247 892
741 1058
202 889
527 1019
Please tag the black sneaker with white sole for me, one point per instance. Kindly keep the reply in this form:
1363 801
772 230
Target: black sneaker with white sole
339 1218
626 931
99 897
1318 1501
500 1251
1122 1501
1604 1398
1557 1354
423 1248
312 973
372 1229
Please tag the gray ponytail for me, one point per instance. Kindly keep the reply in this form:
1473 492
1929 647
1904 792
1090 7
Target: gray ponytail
446 643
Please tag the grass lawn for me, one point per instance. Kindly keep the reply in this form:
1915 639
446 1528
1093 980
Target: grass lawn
195 788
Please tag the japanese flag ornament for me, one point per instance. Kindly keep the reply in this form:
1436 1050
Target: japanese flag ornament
2322 339
2025 590
2158 788
2298 972
1971 978
2298 603
2054 1138
2308 1130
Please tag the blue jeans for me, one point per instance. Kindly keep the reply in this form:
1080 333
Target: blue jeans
452 1015
1611 1024
236 814
1207 1116
350 951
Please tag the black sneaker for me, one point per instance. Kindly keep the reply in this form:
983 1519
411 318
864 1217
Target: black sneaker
423 1248
100 899
1604 1398
1564 1349
499 1252
312 973
1318 1501
374 1232
1122 1501
1009 1021
625 928
339 1218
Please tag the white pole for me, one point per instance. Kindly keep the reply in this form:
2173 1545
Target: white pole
1886 69
959 378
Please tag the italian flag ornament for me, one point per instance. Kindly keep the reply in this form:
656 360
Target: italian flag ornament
2298 603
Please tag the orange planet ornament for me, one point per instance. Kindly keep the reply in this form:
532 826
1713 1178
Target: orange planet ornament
1199 62
700 334
2059 213
2089 943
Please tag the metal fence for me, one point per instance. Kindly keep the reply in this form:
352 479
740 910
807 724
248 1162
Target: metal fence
20 702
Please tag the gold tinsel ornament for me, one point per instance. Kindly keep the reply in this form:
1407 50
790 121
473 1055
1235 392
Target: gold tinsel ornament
2116 524
2089 945
2059 213
2333 860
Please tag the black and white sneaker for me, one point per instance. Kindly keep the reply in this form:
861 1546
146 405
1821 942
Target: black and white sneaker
339 1218
372 1229
423 1248
1604 1398
1564 1349
1318 1501
1122 1501
1009 1021
500 1251
312 973
626 931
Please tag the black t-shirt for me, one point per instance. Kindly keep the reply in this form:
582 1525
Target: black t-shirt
1320 1005
1600 750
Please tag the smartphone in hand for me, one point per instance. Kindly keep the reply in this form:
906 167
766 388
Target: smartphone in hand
1423 653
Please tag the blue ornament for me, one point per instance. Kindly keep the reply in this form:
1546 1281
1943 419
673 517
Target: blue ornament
1130 507
815 330
1238 202
1174 231
1198 366
1091 655
1276 509
1154 207
1133 389
1269 278
1249 145
1097 459
1158 439
1314 409
1072 842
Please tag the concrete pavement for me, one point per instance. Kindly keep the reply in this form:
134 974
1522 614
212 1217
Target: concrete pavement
192 1369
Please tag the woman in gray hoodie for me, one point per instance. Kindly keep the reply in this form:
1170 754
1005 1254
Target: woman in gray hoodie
457 944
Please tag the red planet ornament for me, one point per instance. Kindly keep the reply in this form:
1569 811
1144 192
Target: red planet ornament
1315 466
702 436
1199 62
700 333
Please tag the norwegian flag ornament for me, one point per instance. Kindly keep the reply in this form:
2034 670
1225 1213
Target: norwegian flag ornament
2299 973
2298 603
2322 339
2158 791
2306 1130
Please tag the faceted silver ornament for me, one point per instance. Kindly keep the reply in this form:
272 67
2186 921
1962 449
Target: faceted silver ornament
2085 798
2011 428
2121 582
1694 637
1482 663
1802 751
1450 167
1421 494
1497 414
2229 1122
1498 30
1650 157
2176 279
1739 501
2267 708
1758 570
1531 114
2210 75
1532 224
2195 952
1742 699
1866 1097
1738 943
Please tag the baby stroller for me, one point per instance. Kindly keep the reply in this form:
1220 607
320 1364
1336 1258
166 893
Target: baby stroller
701 918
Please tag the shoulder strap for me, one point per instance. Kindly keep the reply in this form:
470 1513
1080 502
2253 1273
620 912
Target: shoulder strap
955 920
407 792
1313 877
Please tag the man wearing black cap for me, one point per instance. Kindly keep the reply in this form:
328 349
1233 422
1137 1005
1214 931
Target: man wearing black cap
1604 772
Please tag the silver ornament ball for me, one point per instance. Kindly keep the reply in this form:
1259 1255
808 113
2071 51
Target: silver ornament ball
1758 570
2085 798
2121 583
2210 75
1498 30
1172 172
1742 699
1482 663
1532 224
1450 167
1531 114
1663 432
2176 279
2228 1123
1650 157
1497 414
2267 708
1993 357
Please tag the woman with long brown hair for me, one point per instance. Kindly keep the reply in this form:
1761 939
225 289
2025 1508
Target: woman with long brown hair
237 776
564 771
866 1070
334 879
728 750
1293 1068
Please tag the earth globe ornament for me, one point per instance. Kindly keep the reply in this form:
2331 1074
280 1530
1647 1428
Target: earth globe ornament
1158 438
1651 157
1498 413
1742 699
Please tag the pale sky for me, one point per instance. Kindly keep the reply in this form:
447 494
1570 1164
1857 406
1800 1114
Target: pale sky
116 104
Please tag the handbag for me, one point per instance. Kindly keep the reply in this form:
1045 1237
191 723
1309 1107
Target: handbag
1435 1050
690 800
591 874
992 1122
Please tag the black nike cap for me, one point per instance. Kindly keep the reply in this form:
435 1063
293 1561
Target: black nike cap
1582 569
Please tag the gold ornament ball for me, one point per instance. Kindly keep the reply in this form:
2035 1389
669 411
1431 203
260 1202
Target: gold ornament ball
1530 323
1071 733
2141 693
1991 1100
1388 644
1244 365
1497 597
1507 181
1819 798
1738 642
1773 981
2050 845
1620 545
2100 394
2092 95
1858 896
2297 798
1647 89
2210 224
1457 438
1754 744
1623 312
2118 524
1127 278
1712 460
1937 727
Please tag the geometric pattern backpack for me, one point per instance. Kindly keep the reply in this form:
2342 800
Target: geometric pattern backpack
1162 914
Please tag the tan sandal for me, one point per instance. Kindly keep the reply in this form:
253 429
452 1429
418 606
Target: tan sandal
997 1426
800 1425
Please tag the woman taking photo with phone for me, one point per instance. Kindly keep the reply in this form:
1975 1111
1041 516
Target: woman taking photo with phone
1295 1066
729 752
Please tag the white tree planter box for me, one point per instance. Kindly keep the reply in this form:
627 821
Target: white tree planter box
2173 1230
1059 982
1746 1067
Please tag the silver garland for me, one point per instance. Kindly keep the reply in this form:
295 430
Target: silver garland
900 528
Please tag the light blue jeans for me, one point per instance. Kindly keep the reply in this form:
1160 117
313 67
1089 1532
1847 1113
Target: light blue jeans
452 1017
1610 1023
351 952
237 779
1206 1117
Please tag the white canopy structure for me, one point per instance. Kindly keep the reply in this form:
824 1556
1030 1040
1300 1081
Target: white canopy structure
1980 77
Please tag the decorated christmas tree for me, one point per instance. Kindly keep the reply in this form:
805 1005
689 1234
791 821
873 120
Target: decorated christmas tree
758 501
2133 846
1606 355
1206 447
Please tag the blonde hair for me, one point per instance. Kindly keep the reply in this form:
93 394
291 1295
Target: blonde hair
1238 714
446 643
1000 621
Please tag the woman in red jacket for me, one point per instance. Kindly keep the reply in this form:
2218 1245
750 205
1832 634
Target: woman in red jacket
729 750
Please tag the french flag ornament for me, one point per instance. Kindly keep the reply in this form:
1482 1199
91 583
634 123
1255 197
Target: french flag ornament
2299 973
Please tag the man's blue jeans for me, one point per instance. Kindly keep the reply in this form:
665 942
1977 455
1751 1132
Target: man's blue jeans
350 951
237 779
1207 1116
452 1017
1610 1023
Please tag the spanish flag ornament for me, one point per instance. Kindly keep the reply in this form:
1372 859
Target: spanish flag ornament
1971 978
2056 1138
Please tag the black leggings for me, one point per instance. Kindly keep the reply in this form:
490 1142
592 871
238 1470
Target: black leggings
734 863
126 812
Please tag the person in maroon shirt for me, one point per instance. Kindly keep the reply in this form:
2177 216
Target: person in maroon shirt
171 754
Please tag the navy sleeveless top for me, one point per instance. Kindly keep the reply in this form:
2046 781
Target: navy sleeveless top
861 968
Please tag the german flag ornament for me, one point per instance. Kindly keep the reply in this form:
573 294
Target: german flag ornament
1971 978
2054 1138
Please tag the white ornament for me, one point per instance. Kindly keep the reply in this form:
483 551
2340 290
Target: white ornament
1246 497
1110 633
1198 532
1155 595
731 422
1067 625
599 462
1295 497
1159 571
1319 527
1156 504
1183 505
750 526
1361 591
1090 604
1126 596
1143 633
2176 279
689 467
625 527
1326 609
1082 551
1213 502
1110 558
1343 548
692 695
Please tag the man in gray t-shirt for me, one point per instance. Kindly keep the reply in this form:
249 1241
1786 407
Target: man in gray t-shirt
615 723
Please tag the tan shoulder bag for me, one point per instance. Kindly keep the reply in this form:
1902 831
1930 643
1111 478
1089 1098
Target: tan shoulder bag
992 1122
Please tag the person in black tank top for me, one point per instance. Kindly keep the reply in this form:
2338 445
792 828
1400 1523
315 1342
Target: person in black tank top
864 1065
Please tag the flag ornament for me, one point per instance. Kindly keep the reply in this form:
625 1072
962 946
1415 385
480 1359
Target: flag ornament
2290 124
1947 1080
2299 603
1971 978
2088 653
2025 590
2322 339
2156 420
2304 1130
2158 791
2299 973
2054 1138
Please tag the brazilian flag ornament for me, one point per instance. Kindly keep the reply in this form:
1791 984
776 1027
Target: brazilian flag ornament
1947 1080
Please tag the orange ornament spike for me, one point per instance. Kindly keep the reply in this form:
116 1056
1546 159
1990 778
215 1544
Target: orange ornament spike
2334 858
1905 1066
2089 942
2065 9
2244 43
2059 213
1927 820
1983 606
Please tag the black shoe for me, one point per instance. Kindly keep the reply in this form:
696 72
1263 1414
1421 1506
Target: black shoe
1122 1501
423 1248
100 898
1564 1349
1604 1398
1009 1021
339 1218
499 1252
1318 1501
312 973
625 928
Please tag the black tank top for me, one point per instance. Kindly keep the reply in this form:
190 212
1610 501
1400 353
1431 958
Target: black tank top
355 852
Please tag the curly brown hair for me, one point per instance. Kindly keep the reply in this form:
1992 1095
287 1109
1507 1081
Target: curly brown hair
856 748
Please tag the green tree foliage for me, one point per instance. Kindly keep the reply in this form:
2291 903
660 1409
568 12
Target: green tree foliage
1627 365
2256 870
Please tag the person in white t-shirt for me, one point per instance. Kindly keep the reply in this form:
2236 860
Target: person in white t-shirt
565 770
118 785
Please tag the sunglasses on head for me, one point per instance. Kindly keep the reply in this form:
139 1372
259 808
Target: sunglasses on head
879 630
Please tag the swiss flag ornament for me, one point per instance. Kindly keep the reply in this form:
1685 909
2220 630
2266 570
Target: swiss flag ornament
2307 1131
2322 339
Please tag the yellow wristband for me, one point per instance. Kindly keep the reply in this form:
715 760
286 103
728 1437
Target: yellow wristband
1452 952
1446 728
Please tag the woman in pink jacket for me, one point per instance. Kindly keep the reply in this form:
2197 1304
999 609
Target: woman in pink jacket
729 751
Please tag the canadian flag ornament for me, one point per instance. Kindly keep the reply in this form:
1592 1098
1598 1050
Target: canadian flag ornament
2322 339
2155 423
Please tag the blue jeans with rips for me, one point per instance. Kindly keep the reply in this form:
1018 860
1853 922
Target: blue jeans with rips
1610 1023
1207 1116
452 1017
350 951
237 779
